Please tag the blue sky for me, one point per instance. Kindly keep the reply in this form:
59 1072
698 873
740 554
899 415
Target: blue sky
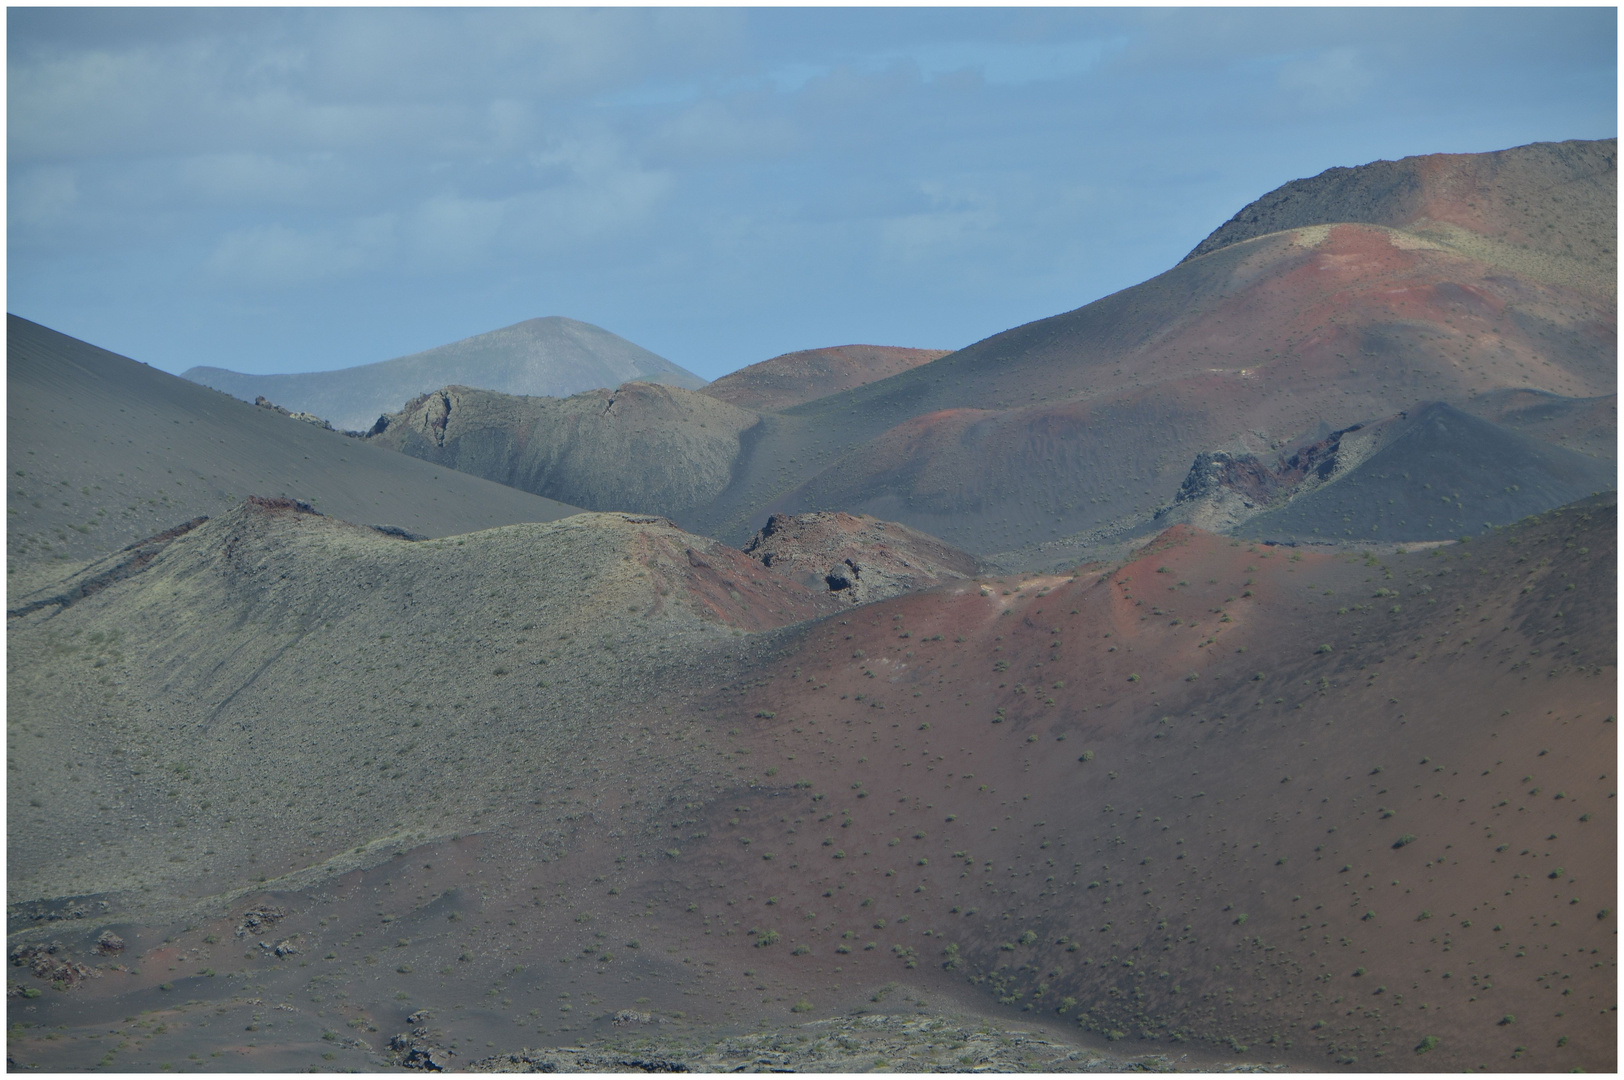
301 189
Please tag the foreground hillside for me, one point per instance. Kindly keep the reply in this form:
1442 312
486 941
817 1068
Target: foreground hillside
533 786
105 451
553 356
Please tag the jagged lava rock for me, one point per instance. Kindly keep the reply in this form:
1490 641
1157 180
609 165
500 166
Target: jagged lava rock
861 557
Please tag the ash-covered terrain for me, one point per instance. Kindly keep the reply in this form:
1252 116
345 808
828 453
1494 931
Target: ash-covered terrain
1219 676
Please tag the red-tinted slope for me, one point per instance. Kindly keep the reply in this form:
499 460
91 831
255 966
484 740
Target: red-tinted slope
1256 344
908 821
1331 807
1558 198
798 377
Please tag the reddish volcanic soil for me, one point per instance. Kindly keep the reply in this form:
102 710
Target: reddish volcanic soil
1559 199
799 377
1237 802
1331 806
1251 347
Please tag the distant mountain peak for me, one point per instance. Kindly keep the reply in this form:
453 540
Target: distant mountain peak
548 356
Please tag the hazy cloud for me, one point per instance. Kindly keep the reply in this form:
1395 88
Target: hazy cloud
719 185
1335 78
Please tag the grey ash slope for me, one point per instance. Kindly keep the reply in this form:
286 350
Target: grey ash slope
553 356
643 448
356 684
1437 473
111 451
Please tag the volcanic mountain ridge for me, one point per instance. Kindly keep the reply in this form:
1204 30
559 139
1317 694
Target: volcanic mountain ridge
1328 304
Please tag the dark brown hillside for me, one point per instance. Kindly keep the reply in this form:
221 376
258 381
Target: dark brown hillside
1182 838
798 377
1333 809
1251 347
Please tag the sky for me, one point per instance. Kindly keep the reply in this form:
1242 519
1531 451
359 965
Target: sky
300 189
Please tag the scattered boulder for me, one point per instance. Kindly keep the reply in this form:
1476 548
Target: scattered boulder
309 418
861 558
51 962
416 1049
109 942
255 917
632 1016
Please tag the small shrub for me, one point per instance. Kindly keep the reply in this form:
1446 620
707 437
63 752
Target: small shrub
1406 839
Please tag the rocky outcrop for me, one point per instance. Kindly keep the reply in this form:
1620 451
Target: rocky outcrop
861 558
309 418
420 1047
1223 489
1432 472
51 962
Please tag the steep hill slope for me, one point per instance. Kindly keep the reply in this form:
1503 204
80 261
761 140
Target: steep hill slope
1075 429
380 675
1548 210
1225 801
798 377
1437 472
1042 431
1588 425
1431 472
553 356
1336 810
642 448
105 451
